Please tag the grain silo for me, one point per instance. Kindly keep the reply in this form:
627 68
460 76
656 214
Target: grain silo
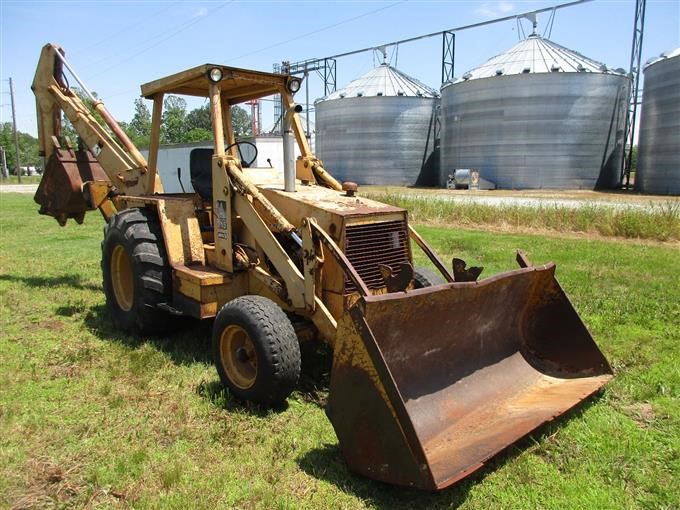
375 130
537 116
659 142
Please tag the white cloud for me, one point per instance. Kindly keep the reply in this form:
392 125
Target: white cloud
495 9
202 11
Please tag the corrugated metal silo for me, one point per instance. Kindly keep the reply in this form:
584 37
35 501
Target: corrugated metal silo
375 130
659 142
537 116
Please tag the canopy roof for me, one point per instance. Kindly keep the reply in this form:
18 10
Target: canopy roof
237 85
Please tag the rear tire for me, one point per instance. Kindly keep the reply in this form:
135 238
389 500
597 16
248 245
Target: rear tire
256 351
136 275
423 277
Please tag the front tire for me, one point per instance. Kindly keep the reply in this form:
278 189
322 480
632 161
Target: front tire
256 351
423 277
136 275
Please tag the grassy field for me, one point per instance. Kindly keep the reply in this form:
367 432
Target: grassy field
25 179
659 220
92 418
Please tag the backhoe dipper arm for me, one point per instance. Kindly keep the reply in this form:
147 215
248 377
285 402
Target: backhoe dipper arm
120 160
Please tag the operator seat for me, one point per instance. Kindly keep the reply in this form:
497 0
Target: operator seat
200 169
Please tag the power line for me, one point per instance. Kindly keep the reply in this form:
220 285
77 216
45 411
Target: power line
458 29
327 27
182 29
136 52
143 20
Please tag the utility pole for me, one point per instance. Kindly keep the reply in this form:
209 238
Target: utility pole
16 136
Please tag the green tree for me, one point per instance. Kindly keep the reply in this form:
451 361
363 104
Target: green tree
240 120
198 135
139 128
174 121
67 129
28 148
199 118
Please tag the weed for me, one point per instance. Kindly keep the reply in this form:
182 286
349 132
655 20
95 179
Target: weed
658 221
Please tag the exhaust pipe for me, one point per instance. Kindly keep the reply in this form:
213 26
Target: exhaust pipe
289 150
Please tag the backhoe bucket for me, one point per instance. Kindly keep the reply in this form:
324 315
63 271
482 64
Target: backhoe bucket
429 384
60 193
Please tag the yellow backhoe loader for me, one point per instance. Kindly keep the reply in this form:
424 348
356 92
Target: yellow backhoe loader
432 374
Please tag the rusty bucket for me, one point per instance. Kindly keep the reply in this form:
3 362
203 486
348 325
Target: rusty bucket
429 384
60 193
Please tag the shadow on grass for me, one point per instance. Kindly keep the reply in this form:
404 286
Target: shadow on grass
69 280
218 396
187 344
190 343
326 463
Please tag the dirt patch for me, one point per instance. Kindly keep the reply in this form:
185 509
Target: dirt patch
642 413
48 485
67 371
49 325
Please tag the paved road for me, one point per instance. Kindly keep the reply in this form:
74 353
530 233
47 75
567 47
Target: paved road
19 188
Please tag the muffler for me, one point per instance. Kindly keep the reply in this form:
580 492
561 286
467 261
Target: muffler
429 384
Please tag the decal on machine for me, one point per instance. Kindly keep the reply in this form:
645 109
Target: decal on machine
221 214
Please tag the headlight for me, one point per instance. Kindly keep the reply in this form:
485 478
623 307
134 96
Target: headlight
215 74
294 85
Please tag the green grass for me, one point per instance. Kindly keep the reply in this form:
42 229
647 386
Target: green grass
659 221
25 179
92 417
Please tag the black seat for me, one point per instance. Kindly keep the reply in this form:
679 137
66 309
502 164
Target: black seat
200 169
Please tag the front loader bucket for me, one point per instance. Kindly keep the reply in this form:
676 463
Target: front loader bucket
60 193
429 384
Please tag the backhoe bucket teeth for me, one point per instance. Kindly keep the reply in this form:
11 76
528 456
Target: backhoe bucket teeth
429 384
60 191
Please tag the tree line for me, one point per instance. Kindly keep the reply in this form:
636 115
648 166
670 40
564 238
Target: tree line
178 125
28 148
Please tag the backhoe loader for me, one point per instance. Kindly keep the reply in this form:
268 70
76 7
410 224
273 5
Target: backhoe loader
432 375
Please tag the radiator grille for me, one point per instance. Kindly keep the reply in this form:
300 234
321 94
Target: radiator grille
367 246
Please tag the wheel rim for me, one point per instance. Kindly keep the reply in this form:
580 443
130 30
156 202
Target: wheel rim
238 356
121 278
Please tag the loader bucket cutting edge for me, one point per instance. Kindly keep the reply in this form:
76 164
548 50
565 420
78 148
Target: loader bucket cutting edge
429 384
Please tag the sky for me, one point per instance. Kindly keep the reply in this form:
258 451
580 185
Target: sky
116 46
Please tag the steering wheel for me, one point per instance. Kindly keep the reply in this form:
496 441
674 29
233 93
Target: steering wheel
245 164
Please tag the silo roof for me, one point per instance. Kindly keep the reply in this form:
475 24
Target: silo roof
664 56
383 80
536 55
